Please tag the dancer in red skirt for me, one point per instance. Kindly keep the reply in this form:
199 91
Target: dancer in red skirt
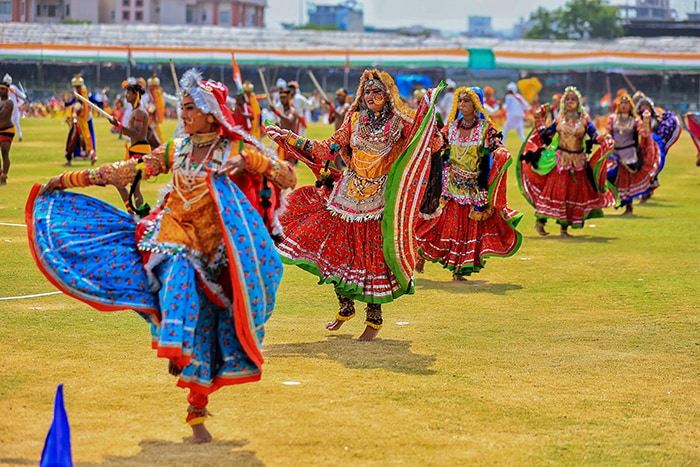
475 221
555 173
636 158
358 234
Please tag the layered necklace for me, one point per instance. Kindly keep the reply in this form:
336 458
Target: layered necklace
623 124
186 180
377 122
465 124
571 123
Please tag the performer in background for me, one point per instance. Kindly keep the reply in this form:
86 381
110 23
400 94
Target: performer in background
560 181
156 106
18 97
201 268
83 117
7 129
515 106
635 157
344 234
665 130
691 122
474 221
137 131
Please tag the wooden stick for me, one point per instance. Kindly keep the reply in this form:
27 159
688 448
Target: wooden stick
172 71
264 85
95 107
318 86
629 82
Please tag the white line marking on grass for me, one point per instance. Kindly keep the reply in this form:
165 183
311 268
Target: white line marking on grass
29 296
12 225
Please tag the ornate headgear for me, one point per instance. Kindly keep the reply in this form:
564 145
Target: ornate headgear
636 96
77 81
645 100
572 90
476 95
488 90
7 79
625 97
210 97
512 87
384 81
293 84
248 86
154 81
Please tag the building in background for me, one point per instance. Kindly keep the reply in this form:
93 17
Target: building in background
345 16
479 26
232 13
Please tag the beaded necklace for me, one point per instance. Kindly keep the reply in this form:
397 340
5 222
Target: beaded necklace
189 173
467 124
377 122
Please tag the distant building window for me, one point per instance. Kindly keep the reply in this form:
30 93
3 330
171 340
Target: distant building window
52 11
189 14
139 3
68 10
225 18
38 10
125 16
126 2
249 16
138 15
5 8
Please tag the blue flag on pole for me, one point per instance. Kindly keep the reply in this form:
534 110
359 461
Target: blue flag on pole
57 452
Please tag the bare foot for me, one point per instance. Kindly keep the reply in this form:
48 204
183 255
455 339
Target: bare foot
566 234
68 164
174 369
420 266
539 228
201 434
334 325
369 334
458 278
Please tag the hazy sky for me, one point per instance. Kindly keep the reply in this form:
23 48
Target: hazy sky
446 15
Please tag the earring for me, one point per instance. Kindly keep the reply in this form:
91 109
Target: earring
210 119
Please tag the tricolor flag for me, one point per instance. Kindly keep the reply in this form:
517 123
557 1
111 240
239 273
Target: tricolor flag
237 78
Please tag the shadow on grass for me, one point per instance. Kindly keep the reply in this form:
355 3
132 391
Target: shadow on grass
470 286
158 452
576 237
388 354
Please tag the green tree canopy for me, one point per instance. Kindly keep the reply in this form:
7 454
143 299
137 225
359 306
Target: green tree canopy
578 19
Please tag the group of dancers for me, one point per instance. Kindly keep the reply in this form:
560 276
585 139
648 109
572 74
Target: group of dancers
204 265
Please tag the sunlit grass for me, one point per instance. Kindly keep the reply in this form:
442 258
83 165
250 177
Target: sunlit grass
578 351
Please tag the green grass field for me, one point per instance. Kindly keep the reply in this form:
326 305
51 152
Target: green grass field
582 351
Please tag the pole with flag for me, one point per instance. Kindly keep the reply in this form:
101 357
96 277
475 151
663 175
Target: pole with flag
237 78
346 69
130 63
57 450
